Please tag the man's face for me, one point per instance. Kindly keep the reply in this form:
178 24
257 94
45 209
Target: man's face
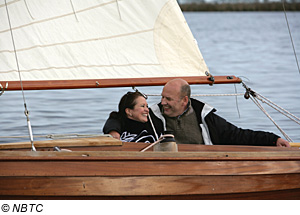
171 100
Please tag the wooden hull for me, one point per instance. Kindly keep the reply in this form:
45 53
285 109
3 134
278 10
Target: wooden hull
122 172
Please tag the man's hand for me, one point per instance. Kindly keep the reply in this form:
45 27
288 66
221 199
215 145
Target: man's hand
282 143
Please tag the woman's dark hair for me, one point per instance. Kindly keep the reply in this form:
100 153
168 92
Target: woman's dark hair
127 101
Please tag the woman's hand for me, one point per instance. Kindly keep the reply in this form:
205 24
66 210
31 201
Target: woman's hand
115 134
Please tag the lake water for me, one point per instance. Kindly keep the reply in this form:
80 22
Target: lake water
252 45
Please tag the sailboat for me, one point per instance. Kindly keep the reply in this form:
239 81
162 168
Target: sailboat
70 44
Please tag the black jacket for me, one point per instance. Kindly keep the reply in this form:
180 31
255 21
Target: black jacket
134 131
217 131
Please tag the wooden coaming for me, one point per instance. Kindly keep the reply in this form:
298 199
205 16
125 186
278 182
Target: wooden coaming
208 172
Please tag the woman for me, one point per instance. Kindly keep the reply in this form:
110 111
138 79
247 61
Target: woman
134 122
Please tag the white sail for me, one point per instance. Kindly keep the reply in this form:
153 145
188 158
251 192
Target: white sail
107 39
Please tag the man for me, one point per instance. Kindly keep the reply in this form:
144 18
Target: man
195 122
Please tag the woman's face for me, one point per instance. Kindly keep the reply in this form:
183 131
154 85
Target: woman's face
140 111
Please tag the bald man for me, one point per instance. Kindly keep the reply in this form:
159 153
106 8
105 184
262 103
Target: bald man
194 122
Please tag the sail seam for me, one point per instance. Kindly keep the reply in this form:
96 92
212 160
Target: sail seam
12 2
84 66
80 41
58 17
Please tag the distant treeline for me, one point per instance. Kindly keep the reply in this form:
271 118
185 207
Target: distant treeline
273 6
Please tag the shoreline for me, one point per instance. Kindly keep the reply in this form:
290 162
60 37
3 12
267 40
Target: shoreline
242 7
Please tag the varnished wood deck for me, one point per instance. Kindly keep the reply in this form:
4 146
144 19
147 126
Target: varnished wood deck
120 171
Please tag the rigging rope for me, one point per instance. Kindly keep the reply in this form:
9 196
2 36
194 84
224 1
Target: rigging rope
256 96
119 10
158 141
150 119
287 22
194 95
278 108
265 112
28 9
74 10
236 102
18 68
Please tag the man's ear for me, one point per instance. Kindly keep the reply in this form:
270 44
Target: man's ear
185 100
